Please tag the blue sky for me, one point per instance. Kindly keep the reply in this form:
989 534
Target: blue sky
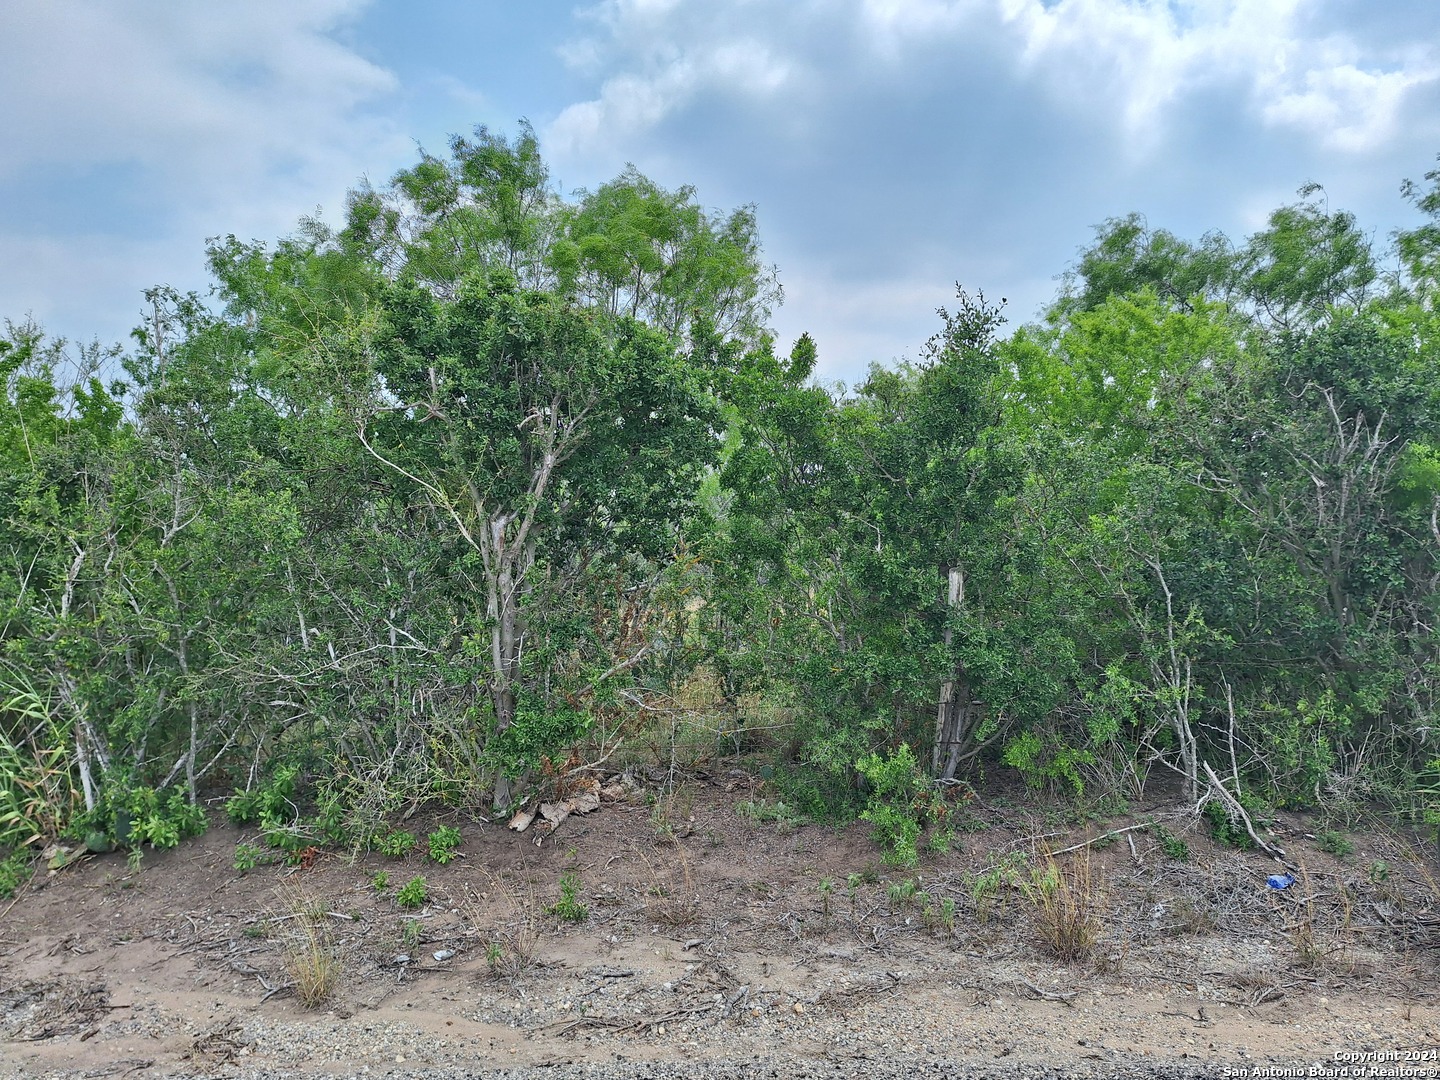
892 147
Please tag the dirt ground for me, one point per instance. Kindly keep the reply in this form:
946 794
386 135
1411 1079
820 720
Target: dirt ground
709 936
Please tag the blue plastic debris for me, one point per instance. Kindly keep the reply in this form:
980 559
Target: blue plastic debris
1280 881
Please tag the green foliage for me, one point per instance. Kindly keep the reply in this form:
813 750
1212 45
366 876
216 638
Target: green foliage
413 894
443 842
15 870
1335 843
396 844
380 881
1173 846
442 496
569 907
897 807
1225 828
765 811
247 857
1041 762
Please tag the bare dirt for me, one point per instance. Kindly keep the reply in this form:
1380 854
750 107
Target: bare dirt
711 947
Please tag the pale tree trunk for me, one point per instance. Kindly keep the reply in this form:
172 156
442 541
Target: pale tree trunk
954 713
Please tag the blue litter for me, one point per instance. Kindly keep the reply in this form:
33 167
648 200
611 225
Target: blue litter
1280 881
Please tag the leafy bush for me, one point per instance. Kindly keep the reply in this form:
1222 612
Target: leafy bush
15 870
413 893
396 844
569 907
247 857
443 842
895 807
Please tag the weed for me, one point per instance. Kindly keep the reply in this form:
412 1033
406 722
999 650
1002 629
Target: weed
939 915
1378 872
1335 843
258 932
984 887
568 907
1173 846
781 813
1065 903
411 934
134 859
510 945
413 893
671 898
443 842
247 857
827 890
901 893
15 870
396 844
380 882
307 950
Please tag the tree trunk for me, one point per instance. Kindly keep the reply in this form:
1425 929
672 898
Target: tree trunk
947 716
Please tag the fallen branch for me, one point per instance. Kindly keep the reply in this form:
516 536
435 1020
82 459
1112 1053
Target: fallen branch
1237 813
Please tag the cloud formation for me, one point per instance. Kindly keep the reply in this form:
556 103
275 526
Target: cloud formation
182 121
919 140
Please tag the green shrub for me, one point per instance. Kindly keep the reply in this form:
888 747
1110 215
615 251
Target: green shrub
413 893
1173 846
443 842
895 806
569 907
247 857
396 844
1335 843
15 870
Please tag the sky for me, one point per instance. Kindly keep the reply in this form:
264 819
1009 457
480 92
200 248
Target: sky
892 148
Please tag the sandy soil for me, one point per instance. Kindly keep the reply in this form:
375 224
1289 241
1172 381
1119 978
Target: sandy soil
709 940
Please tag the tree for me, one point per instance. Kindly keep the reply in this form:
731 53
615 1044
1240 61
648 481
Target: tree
553 439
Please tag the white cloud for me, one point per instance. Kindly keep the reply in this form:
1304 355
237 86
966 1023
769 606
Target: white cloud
217 117
1133 61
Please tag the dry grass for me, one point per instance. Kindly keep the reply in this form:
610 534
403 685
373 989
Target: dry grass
671 897
307 948
1065 903
507 920
1322 934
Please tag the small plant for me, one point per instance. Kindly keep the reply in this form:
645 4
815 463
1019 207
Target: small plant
380 882
307 951
1336 844
443 842
568 907
778 812
827 890
939 915
1173 846
901 893
894 809
413 893
15 870
134 859
247 857
412 933
494 955
1226 828
258 932
1378 872
1066 907
396 844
